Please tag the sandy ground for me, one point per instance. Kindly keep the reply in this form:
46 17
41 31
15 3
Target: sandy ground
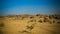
18 25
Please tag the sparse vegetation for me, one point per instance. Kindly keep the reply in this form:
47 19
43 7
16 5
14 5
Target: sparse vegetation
40 21
58 22
50 22
24 31
1 24
31 27
1 32
46 20
50 17
29 24
31 17
32 21
53 21
37 15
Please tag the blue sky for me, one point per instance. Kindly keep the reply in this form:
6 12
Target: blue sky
29 7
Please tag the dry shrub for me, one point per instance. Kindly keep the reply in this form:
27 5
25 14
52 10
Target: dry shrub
40 21
1 24
53 21
58 22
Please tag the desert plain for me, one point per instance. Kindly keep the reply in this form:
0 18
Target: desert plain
30 24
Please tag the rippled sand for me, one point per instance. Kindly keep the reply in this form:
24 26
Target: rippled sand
40 24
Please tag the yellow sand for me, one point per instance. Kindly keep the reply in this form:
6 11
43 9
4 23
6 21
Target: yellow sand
15 25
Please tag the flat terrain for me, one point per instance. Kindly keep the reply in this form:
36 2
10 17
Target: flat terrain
30 24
